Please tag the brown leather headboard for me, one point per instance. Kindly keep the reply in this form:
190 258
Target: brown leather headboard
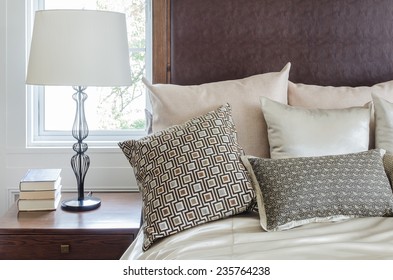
328 42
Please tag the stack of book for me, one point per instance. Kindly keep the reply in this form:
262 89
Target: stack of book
40 189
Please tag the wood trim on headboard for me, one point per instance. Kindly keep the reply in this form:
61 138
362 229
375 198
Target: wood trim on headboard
161 41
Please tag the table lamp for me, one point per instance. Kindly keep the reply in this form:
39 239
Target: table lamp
79 48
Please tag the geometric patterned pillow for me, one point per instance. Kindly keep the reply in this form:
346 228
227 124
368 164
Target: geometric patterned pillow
189 174
296 191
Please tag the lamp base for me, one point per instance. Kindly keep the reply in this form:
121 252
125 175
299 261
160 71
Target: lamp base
85 204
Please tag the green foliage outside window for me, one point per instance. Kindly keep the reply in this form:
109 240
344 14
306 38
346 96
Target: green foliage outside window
118 107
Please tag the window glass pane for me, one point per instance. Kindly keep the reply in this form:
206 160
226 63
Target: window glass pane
106 108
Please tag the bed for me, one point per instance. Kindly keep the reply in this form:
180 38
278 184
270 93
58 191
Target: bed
274 137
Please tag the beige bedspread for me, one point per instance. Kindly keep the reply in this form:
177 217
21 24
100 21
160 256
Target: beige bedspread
241 237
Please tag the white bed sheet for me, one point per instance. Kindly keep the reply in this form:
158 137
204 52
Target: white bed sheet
241 237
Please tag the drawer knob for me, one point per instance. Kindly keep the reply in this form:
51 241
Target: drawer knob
64 249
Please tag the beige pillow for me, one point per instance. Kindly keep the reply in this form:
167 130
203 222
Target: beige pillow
300 132
174 104
328 97
383 124
388 165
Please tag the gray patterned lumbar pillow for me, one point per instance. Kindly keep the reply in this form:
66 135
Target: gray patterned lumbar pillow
297 191
190 174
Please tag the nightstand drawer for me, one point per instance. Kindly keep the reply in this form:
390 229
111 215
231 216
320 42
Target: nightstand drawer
64 246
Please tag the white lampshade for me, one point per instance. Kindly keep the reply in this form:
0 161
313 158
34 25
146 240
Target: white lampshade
79 48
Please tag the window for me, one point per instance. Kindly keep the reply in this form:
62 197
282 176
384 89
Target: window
112 114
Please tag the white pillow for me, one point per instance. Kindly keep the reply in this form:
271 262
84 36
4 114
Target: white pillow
174 104
383 123
301 132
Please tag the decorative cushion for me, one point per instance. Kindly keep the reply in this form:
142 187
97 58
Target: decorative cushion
189 174
383 123
297 132
328 97
296 191
174 104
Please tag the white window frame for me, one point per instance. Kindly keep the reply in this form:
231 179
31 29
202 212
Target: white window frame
35 111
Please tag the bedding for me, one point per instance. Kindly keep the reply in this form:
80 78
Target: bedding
301 190
383 123
296 131
241 238
190 174
175 104
342 237
177 170
326 97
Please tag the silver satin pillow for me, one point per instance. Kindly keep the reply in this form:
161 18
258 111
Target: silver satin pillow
300 132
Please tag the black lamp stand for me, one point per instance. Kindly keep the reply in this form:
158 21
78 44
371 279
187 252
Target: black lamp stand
80 162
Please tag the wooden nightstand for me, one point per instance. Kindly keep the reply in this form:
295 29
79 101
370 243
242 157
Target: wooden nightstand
104 233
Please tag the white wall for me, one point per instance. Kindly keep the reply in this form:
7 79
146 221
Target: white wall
109 170
3 200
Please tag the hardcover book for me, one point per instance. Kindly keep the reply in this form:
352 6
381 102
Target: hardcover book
38 204
40 179
50 194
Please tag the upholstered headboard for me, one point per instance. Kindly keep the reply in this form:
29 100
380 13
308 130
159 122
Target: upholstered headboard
328 42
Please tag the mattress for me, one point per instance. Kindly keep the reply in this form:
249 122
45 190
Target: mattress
241 237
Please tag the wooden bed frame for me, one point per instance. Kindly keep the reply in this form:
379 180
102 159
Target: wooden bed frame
328 42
